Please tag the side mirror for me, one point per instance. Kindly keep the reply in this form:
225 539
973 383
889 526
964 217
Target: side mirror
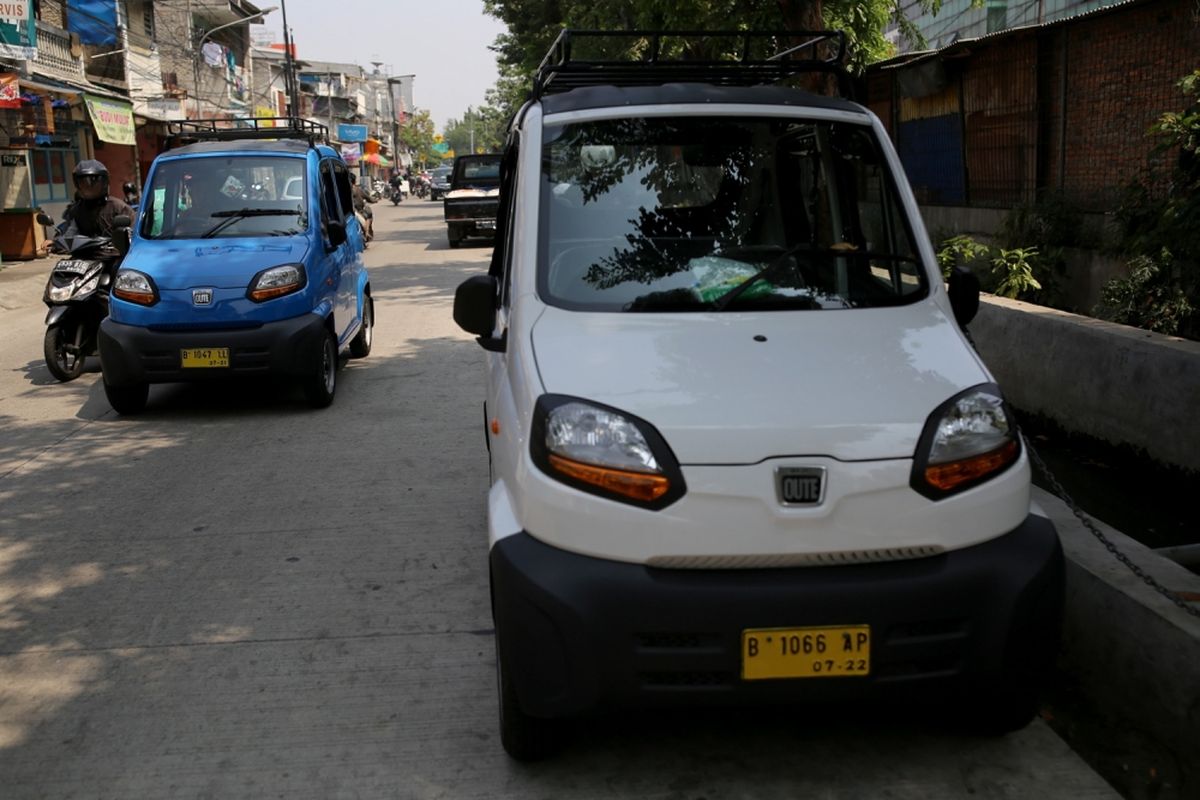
964 295
44 219
475 310
337 233
122 221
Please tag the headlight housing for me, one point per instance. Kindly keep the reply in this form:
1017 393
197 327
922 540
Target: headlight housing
603 451
967 440
276 282
136 287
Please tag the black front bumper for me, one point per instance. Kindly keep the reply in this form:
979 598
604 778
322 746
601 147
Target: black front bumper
578 633
288 348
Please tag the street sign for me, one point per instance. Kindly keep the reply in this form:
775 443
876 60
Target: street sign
351 133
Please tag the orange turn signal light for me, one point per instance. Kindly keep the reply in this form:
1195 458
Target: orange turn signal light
642 486
141 298
274 291
955 473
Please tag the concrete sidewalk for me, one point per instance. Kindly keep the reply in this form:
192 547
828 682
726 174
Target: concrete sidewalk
1132 658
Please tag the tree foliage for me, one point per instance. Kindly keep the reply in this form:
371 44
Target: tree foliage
483 127
416 134
533 25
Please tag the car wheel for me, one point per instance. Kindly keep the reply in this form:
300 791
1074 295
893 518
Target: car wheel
997 710
63 359
127 399
320 385
524 738
360 346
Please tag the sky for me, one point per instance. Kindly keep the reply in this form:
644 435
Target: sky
443 42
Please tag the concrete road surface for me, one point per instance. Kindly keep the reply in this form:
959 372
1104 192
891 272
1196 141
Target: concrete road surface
233 596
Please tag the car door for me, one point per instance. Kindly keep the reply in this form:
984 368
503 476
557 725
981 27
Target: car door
338 258
501 403
354 266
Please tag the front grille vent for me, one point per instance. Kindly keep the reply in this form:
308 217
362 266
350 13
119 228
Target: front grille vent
795 559
689 679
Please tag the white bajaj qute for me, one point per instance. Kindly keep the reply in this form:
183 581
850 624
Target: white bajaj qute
741 450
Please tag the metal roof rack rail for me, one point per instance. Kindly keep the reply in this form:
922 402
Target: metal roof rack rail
744 60
187 131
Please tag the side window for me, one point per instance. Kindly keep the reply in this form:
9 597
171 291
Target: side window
506 218
329 205
345 196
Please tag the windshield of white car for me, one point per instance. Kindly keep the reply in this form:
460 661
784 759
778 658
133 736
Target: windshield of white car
678 213
225 197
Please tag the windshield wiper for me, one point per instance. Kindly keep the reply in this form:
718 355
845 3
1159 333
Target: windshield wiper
234 214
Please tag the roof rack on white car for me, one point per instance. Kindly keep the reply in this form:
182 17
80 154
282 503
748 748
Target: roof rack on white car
579 58
187 131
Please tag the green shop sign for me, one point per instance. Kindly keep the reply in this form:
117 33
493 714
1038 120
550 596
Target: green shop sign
18 30
113 119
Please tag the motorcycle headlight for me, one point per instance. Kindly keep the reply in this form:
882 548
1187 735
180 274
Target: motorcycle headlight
60 293
276 282
605 452
136 287
967 440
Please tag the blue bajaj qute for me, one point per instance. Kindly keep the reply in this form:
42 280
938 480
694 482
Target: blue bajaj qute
246 260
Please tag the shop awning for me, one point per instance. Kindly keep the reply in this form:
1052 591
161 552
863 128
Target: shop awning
112 119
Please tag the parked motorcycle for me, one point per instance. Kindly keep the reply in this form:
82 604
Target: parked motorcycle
77 294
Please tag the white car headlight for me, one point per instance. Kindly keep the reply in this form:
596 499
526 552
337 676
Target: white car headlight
136 287
604 451
276 282
967 440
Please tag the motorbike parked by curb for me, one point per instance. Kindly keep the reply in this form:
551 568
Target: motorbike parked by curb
77 294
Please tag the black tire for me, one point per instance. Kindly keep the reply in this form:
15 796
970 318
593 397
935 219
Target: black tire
360 345
127 399
524 738
997 710
62 363
319 387
454 237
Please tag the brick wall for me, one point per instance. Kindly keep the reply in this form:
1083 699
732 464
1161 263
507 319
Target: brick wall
1117 72
1121 74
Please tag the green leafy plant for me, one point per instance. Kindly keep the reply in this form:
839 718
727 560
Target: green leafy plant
1145 300
1160 231
962 250
1014 268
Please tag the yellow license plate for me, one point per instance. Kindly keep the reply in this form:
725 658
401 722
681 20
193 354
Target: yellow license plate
205 357
823 652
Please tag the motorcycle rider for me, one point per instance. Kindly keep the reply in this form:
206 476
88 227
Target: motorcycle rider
129 189
93 210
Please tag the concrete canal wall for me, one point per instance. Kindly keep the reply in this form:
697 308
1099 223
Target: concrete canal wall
1119 384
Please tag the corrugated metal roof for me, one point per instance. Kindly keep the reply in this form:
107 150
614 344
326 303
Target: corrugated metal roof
905 59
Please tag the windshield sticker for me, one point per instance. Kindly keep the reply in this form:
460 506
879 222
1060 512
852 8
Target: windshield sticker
233 187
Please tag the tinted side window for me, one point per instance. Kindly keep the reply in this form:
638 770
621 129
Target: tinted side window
343 189
329 205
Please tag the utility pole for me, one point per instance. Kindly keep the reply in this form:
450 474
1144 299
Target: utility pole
289 66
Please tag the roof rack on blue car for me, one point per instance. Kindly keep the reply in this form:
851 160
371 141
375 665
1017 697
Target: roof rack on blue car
187 131
579 58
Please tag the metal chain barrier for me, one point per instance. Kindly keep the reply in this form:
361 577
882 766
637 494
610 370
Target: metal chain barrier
1057 489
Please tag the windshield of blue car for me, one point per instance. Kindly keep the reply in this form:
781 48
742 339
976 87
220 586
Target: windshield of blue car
675 213
226 197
